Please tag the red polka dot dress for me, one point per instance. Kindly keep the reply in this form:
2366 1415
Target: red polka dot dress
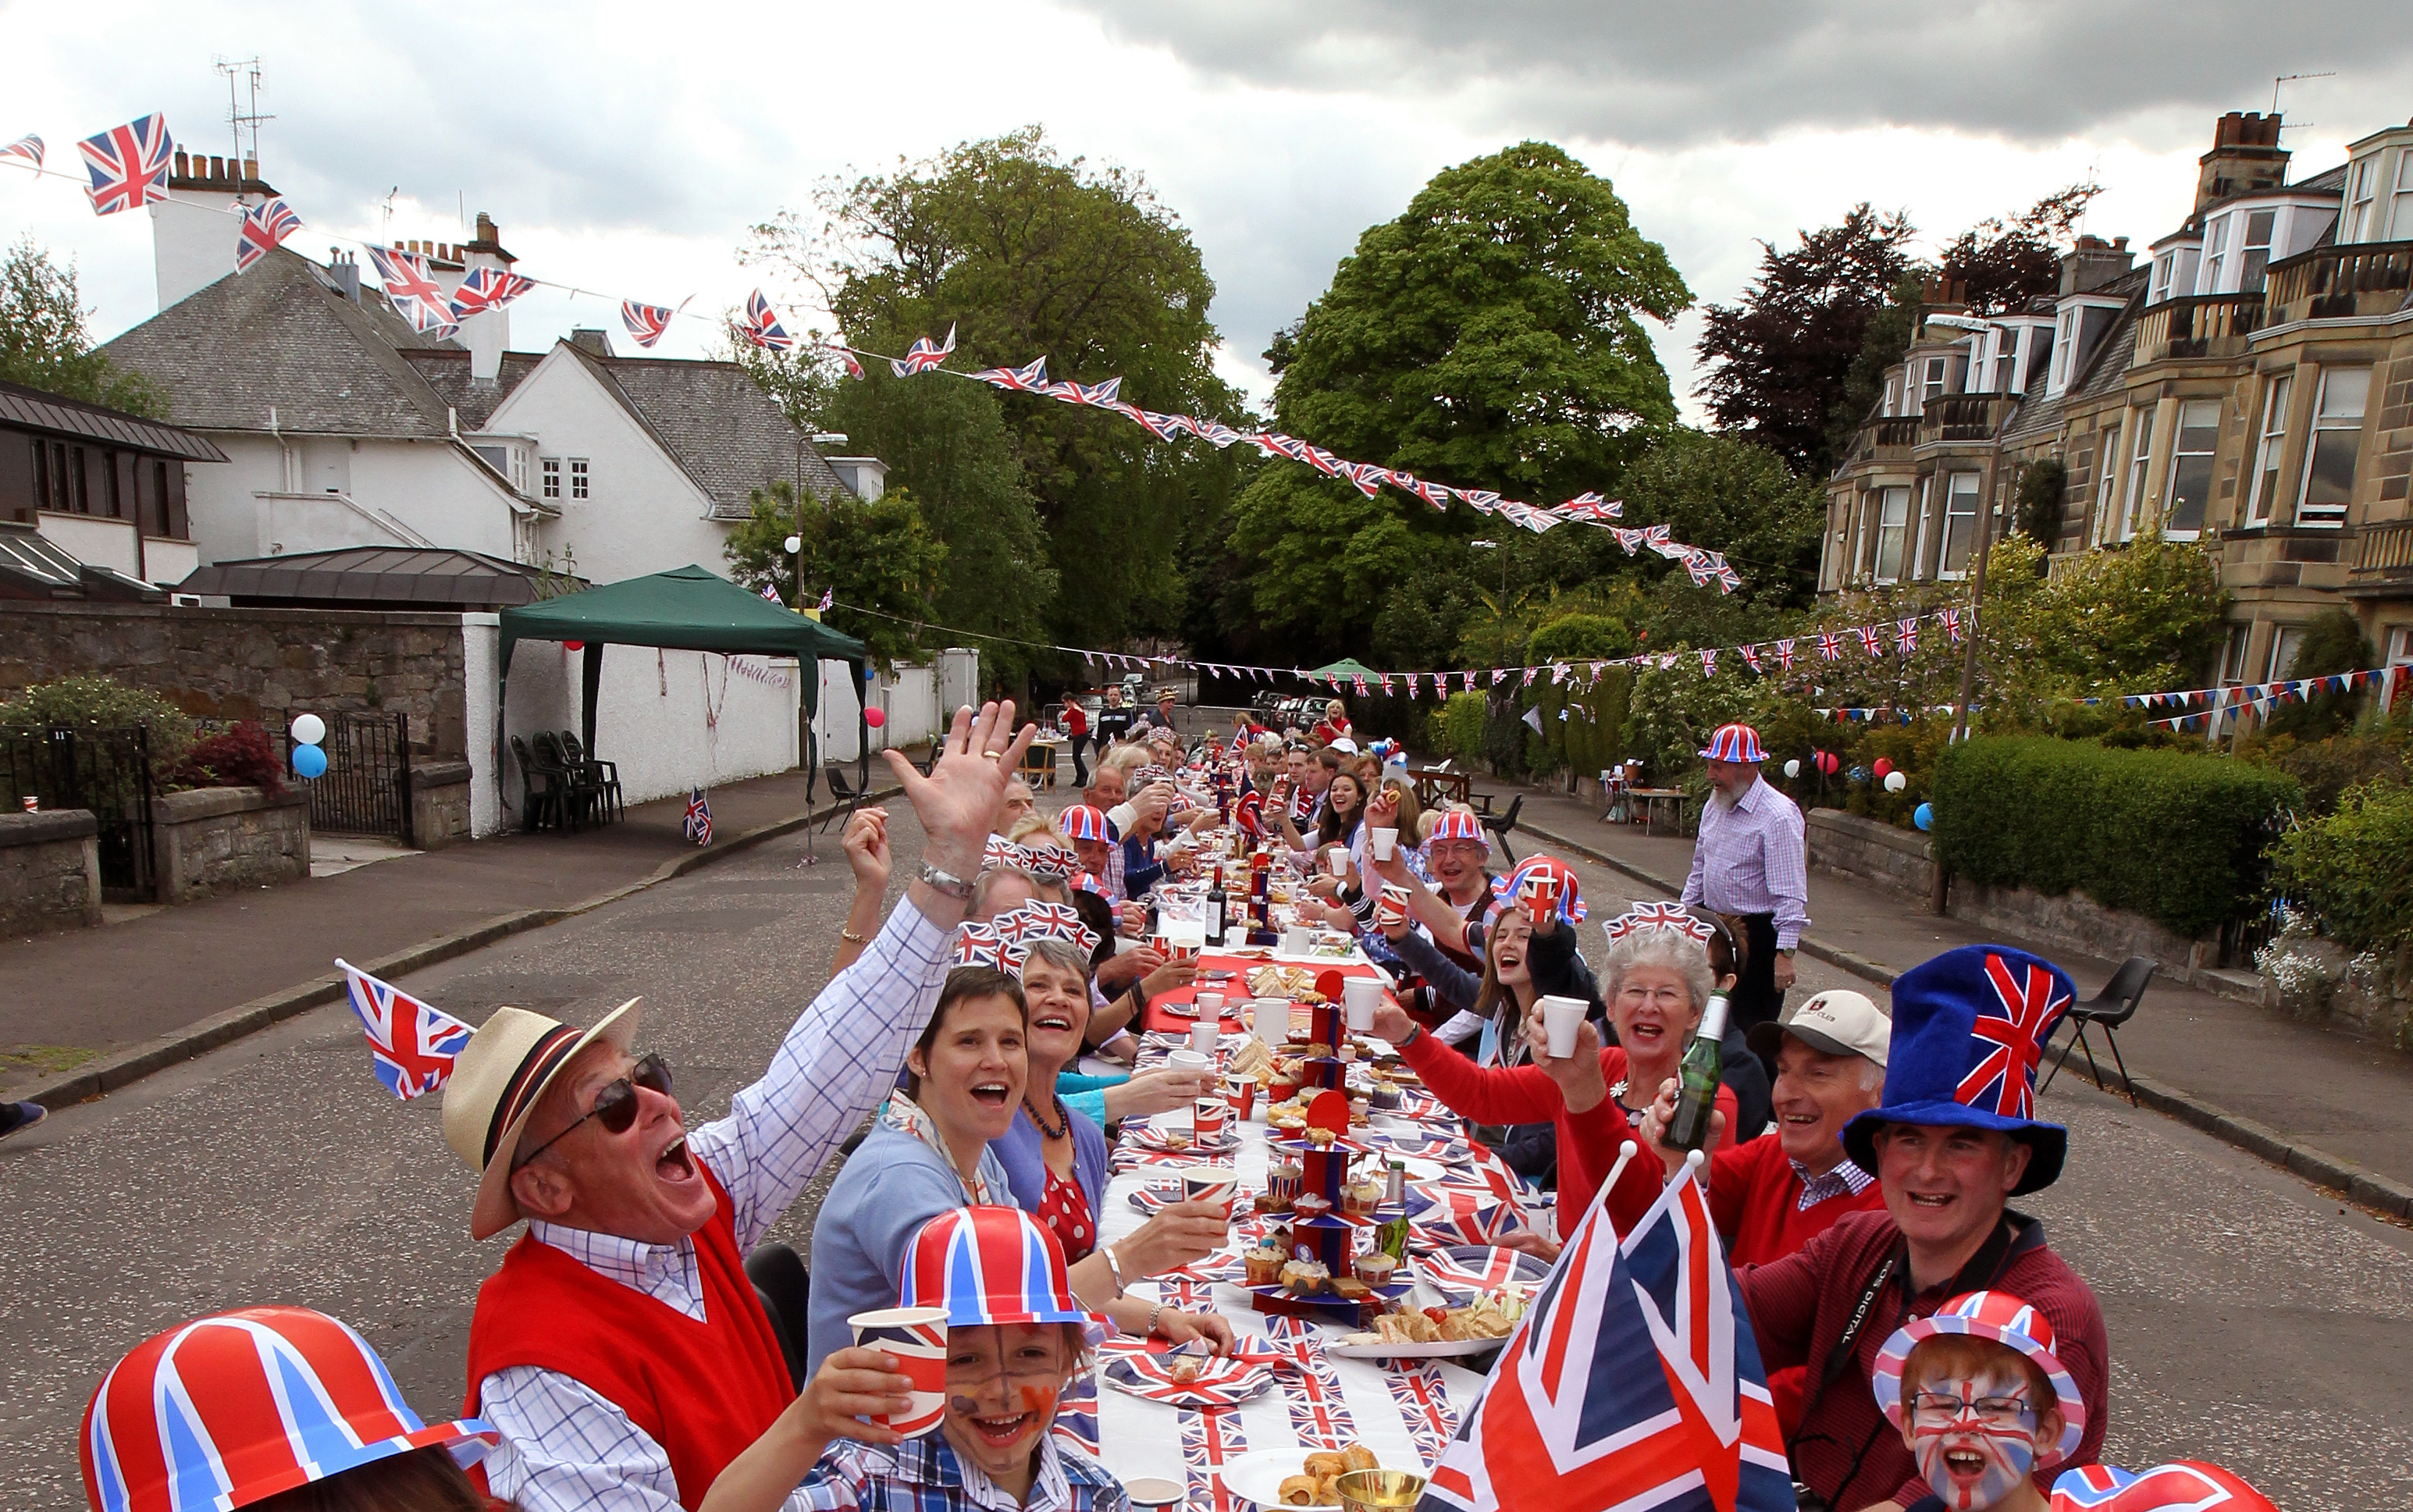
1065 1209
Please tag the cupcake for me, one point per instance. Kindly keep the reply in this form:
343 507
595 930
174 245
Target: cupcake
1304 1278
1387 1095
1376 1268
1264 1265
1360 1198
1310 1205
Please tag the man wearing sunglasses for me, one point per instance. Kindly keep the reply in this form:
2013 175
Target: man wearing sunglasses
620 1349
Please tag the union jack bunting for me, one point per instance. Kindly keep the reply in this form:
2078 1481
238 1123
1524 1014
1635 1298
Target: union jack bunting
1099 394
1703 571
1872 639
697 825
1209 1441
1472 675
1359 682
1728 579
1161 426
1656 538
1030 379
1906 636
128 164
1530 673
1318 458
1436 495
265 226
1423 1401
1710 661
771 592
417 298
26 149
921 357
846 355
1630 539
1589 506
1369 478
761 325
828 597
1951 618
646 322
1831 646
1784 653
1658 916
1750 656
411 1045
2013 1040
1482 499
487 289
1573 1416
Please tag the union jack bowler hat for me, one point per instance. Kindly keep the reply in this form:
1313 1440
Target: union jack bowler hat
1083 822
1968 1029
1458 824
1734 743
1571 903
231 1409
496 1083
2006 1321
2180 1486
989 1265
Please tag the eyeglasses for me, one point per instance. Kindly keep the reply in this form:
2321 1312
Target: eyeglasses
615 1105
1935 1410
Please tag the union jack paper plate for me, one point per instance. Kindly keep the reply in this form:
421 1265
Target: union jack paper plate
1151 1138
1419 1145
1463 1270
1221 1383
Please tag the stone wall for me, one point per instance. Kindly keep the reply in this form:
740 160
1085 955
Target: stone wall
439 804
2078 922
1871 851
50 871
215 840
251 663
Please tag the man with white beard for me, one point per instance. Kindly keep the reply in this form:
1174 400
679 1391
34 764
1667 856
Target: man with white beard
1751 863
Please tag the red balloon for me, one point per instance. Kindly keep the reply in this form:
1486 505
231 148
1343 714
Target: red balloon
875 717
573 646
1828 762
1881 768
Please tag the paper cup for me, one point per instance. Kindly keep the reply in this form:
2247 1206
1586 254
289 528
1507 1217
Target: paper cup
1297 940
1210 1005
1383 841
1393 909
1270 1018
917 1335
1161 944
1359 995
1185 954
1202 1034
1204 1183
1185 1059
1338 859
1560 1019
1240 1094
1207 1118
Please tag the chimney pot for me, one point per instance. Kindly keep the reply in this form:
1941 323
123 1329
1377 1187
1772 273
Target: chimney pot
251 169
182 165
218 168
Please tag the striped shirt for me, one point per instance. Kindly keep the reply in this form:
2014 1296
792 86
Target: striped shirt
565 1446
1750 859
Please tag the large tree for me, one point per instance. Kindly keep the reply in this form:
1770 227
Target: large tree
1491 336
2001 264
44 342
1026 254
879 560
1776 357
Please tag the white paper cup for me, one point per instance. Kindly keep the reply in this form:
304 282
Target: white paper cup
1359 995
1560 1019
1205 1183
917 1335
1210 1005
1202 1035
1383 841
1297 940
1194 1061
1338 859
1270 1018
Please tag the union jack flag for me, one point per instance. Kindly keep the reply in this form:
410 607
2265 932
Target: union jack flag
1590 506
761 325
1951 618
1728 579
411 1045
1872 639
128 164
697 825
1573 1416
1784 653
1030 379
1471 676
846 355
922 356
1160 426
1453 1214
2182 1485
1470 1269
1369 478
417 298
2006 1075
771 591
1751 657
487 289
1359 682
1656 538
1482 499
829 596
1704 571
646 323
1217 432
1318 458
265 227
1630 539
1831 646
1710 661
1436 495
26 149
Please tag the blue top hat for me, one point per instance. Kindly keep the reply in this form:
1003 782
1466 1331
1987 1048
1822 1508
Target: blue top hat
1968 1029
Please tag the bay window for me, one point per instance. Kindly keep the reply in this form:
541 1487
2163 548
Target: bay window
1893 524
2257 250
2140 461
1960 525
2215 249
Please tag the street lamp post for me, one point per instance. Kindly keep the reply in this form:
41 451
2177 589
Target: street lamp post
1501 617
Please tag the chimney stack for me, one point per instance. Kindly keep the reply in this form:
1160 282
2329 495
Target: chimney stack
488 335
2094 263
2245 154
193 231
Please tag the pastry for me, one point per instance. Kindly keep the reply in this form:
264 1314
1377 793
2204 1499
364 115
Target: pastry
1305 1277
1324 1462
1185 1370
1320 1138
1360 1458
1299 1490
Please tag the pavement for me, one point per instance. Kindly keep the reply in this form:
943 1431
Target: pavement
86 1012
2332 1106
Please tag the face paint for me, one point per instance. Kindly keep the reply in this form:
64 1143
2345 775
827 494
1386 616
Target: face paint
1973 1437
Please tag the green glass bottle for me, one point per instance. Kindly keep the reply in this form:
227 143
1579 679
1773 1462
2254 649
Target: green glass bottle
1704 1066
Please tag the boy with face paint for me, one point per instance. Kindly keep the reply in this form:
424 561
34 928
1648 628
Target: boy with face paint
1016 1340
1985 1407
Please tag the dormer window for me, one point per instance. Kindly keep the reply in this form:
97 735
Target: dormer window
2359 197
2216 247
2258 250
2163 266
2400 215
2007 359
1931 389
1893 397
2062 347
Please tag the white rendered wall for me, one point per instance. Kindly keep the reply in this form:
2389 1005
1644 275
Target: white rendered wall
256 506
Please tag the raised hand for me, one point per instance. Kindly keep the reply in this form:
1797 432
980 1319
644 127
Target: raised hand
1578 1076
865 844
959 798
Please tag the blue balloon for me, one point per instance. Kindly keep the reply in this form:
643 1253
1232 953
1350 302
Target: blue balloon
1923 816
1860 774
309 761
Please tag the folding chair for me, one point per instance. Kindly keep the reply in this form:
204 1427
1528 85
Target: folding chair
848 797
1500 824
2108 1009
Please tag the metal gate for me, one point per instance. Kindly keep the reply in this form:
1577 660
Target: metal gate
107 771
367 789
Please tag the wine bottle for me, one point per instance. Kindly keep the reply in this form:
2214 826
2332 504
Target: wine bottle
1215 901
1698 1096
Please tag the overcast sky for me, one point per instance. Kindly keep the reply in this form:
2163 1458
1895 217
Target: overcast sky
625 148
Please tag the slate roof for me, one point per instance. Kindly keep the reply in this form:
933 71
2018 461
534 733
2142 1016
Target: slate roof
372 574
2107 365
723 430
447 370
33 409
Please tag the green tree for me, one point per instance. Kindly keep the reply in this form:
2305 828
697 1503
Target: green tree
879 559
1027 253
1490 337
44 342
1737 498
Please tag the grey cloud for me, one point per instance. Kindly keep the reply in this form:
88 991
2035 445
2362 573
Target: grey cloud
1673 74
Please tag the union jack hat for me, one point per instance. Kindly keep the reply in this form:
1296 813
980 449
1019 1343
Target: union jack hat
1571 903
989 1265
2180 1486
1458 824
1083 822
2007 1320
231 1409
1968 1028
1734 743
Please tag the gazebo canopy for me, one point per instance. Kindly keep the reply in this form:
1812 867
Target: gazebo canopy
1346 667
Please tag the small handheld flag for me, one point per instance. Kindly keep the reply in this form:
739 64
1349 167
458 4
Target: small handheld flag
411 1044
698 824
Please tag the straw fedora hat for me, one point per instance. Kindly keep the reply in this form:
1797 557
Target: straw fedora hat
497 1082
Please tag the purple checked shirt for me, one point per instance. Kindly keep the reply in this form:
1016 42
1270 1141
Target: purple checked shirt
1750 859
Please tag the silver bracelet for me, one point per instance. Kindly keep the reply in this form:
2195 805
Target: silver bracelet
1114 1268
1155 1311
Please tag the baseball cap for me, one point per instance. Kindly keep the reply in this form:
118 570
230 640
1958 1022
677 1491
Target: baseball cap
1838 1022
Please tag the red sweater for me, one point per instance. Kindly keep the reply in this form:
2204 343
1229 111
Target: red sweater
703 1391
1799 1306
1588 1142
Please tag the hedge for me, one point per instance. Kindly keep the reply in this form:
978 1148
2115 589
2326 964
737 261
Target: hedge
2175 836
2353 869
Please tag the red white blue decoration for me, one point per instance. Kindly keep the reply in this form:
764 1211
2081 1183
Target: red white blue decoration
417 298
697 824
1660 916
487 289
1463 1271
2180 1486
761 325
232 1409
1083 822
128 165
922 356
989 1265
265 227
26 149
646 323
411 1045
1734 743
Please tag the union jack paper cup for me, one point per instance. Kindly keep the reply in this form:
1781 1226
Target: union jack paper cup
917 1335
1161 944
1207 1115
1393 909
1539 892
1241 1094
1205 1183
1185 954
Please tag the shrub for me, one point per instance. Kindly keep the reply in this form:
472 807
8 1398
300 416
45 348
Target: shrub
2333 642
2042 486
2353 869
2173 836
244 756
1579 637
100 703
2327 767
1459 728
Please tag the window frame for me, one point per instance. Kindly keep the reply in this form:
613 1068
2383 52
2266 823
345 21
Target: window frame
2064 342
1944 570
2314 431
2107 457
2215 253
2278 397
2359 194
2253 272
1930 384
1900 531
2171 530
549 472
2400 198
2289 637
2006 358
2140 466
582 479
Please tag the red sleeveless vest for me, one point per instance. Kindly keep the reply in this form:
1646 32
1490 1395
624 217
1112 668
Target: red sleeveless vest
703 1391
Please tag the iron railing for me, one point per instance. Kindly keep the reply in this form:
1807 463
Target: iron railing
106 771
366 787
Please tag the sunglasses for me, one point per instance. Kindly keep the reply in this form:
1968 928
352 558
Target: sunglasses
615 1105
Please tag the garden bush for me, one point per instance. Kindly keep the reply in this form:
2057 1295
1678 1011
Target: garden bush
100 702
2353 869
2173 836
243 756
1458 728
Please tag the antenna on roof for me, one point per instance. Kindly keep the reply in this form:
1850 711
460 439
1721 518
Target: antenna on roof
2289 78
391 195
240 73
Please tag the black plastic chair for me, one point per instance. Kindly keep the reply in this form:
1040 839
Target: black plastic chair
848 797
2108 1010
581 790
605 774
544 792
785 1289
1500 824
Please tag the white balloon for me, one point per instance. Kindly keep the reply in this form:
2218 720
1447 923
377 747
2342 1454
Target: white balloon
309 728
1793 767
1895 781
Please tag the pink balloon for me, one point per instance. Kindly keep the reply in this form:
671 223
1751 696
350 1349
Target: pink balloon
875 717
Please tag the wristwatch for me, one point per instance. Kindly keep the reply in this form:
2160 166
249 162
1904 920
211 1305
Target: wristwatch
947 882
